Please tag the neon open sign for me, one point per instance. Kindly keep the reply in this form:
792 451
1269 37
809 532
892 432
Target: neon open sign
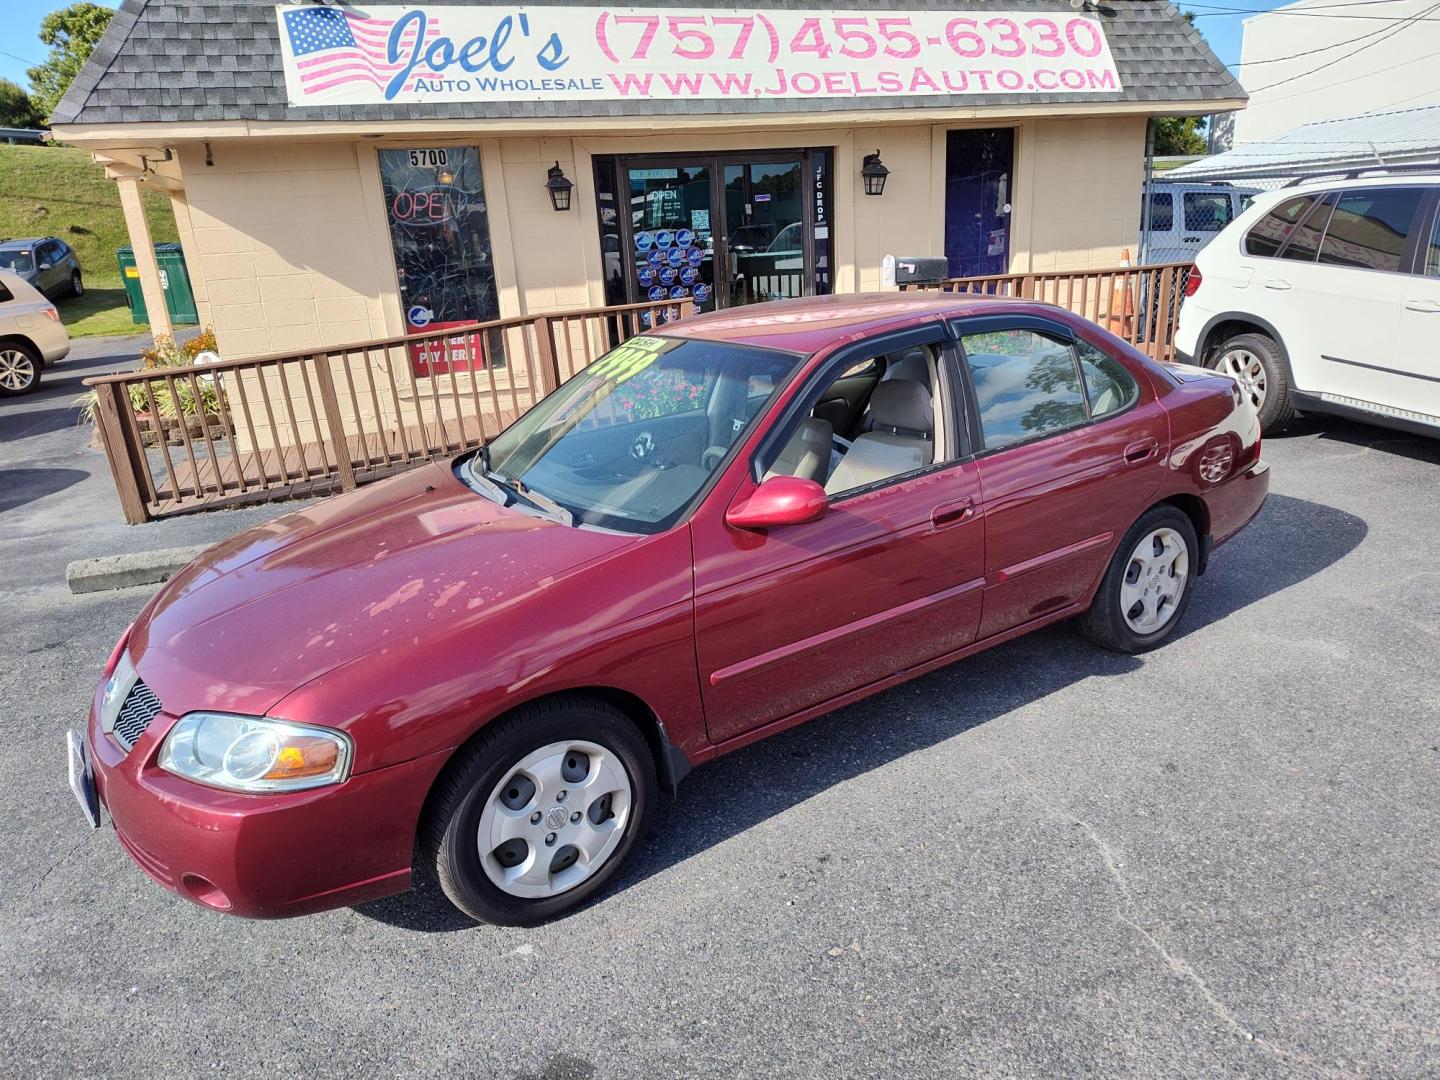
428 207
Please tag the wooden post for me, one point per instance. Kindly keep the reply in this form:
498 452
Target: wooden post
125 460
549 366
331 402
1160 328
146 264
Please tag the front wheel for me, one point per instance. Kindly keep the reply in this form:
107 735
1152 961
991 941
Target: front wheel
1147 586
1257 364
539 811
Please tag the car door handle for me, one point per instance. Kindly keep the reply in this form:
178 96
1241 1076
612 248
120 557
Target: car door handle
1142 450
1428 306
950 513
1277 283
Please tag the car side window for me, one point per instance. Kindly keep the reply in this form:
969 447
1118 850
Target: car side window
5 294
1162 211
1304 243
1206 211
1110 387
1268 234
1369 228
1026 385
898 429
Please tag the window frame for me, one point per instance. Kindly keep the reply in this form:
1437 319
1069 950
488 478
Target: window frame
931 334
1319 199
1430 233
962 327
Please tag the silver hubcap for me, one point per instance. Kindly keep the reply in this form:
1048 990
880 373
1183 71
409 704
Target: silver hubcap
555 819
1245 368
1154 581
17 371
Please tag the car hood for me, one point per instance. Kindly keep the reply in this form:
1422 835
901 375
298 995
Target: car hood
274 607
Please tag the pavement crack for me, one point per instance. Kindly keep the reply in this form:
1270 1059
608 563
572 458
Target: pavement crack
1125 915
57 864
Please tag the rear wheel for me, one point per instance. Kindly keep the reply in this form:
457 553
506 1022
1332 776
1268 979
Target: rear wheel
539 811
1147 586
19 369
1255 362
77 284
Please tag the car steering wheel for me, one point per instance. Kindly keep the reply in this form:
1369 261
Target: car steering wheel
642 446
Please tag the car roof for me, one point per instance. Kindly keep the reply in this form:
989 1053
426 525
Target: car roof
809 324
23 242
1334 182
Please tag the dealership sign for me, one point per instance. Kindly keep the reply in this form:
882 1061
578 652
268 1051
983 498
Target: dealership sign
360 55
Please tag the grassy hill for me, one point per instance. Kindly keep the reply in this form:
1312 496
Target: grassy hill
59 191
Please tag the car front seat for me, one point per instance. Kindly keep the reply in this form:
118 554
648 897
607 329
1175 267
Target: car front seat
902 440
807 454
911 364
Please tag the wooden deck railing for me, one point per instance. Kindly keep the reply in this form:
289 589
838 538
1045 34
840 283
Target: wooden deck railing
1137 303
288 425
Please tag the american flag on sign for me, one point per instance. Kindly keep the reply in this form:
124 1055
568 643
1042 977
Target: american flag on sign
334 47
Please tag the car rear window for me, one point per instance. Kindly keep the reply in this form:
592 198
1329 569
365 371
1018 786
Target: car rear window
1304 243
1271 231
1369 228
5 294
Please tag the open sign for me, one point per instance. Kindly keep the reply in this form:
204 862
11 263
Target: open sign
428 207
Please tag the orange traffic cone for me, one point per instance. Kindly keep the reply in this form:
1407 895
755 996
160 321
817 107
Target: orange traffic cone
1122 303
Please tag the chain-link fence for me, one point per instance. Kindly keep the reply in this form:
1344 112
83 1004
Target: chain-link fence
1179 217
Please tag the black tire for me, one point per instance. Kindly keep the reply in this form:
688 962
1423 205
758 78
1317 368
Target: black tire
19 369
1105 623
1277 410
449 828
77 284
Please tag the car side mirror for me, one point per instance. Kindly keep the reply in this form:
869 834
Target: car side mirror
47 266
781 500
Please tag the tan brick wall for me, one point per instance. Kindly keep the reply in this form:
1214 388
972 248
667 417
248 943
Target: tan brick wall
291 252
291 255
1080 188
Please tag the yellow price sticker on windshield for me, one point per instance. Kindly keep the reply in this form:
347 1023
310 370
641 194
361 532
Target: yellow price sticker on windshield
631 358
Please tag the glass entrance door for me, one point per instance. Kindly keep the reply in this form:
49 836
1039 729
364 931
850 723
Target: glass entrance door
721 229
671 236
764 245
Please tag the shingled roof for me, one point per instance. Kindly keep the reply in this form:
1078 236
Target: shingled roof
202 60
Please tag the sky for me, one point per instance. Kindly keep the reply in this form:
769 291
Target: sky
20 48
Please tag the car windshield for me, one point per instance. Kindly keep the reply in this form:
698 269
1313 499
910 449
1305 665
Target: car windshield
21 262
629 442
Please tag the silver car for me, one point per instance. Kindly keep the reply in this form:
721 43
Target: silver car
31 335
46 262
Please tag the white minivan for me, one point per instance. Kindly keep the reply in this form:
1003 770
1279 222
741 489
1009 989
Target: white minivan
1184 218
1325 297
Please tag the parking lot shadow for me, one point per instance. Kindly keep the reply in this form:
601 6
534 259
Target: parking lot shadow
1333 429
1291 540
20 486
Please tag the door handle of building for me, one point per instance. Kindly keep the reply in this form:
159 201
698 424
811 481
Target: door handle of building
1427 306
1277 283
950 513
1143 450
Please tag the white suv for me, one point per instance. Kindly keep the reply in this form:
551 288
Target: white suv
31 335
1325 297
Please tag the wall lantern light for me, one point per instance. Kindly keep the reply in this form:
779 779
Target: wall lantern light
874 172
559 188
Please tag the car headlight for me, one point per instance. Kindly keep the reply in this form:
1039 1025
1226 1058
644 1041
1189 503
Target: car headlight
117 687
254 754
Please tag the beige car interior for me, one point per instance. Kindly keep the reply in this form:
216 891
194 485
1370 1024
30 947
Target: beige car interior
898 431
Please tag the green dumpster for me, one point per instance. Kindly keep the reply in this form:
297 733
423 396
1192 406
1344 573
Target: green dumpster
174 279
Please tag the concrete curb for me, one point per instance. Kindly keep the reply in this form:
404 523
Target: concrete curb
127 571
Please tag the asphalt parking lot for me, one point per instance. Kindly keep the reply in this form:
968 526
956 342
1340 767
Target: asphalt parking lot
1222 858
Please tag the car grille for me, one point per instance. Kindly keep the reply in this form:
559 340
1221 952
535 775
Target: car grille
139 709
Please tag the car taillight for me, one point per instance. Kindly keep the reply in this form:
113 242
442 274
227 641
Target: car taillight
50 313
1192 283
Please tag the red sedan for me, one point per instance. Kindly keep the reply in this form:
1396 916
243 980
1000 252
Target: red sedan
712 533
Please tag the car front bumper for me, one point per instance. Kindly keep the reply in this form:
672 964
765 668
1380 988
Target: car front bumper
260 856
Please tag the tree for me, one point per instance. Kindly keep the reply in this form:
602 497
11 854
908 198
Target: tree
17 108
1179 136
72 34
